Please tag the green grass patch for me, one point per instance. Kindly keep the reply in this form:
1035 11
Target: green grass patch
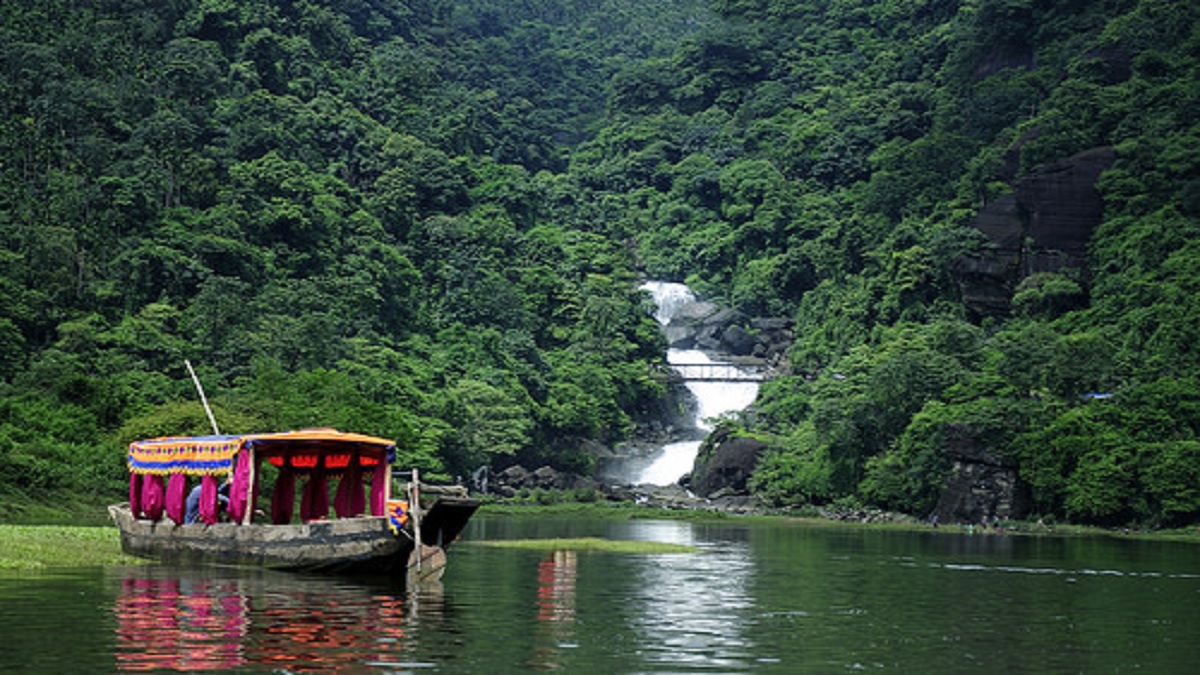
56 508
590 544
34 547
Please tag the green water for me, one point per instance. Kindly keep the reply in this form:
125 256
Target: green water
759 597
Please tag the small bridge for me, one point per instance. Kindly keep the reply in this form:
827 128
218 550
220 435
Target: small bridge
711 372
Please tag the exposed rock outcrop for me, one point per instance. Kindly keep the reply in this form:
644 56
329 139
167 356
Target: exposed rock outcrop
981 484
515 478
725 464
704 325
1044 225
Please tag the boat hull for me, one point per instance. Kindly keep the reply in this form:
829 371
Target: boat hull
350 545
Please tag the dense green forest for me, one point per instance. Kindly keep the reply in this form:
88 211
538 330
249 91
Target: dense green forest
427 220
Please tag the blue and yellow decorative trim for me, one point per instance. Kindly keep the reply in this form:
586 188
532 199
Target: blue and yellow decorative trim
196 456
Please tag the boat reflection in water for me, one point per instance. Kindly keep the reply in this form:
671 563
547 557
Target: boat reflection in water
557 575
184 620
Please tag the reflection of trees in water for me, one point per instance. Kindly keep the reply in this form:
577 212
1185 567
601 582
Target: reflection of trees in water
202 622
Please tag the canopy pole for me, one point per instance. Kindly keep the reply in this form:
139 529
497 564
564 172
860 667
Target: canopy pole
414 491
203 399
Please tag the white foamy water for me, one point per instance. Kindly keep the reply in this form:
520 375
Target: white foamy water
713 399
669 298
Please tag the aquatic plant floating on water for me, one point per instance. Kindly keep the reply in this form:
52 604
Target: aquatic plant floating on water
590 544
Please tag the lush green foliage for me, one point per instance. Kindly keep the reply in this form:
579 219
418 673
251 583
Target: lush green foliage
426 220
892 374
337 210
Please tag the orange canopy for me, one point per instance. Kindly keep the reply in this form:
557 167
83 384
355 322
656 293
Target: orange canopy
214 454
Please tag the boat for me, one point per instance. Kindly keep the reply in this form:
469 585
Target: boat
401 537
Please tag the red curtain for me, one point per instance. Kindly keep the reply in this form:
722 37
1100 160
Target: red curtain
135 494
208 499
254 488
152 497
283 498
349 502
176 503
378 494
238 497
314 503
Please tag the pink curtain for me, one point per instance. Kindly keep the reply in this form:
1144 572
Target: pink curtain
283 498
152 497
208 499
238 496
135 494
314 503
254 488
378 479
176 503
349 501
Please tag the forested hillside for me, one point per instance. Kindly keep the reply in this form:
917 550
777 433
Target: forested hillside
336 210
427 220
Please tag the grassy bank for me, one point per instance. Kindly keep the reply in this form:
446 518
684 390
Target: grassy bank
35 547
19 508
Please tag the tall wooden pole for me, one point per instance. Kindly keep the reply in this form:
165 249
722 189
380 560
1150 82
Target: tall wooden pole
414 489
203 399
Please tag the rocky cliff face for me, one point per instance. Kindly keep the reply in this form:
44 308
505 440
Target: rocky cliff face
981 486
1044 225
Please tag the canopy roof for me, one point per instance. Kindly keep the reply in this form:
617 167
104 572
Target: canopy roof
305 449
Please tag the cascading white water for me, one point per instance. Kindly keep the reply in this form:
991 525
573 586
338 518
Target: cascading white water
675 460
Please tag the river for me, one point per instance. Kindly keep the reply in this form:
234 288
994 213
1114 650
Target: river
760 596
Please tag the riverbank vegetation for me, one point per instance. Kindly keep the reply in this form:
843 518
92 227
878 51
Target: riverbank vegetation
427 221
30 548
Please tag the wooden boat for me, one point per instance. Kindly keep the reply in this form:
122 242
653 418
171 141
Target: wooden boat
379 535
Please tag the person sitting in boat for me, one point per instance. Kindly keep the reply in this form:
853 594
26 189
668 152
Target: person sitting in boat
193 501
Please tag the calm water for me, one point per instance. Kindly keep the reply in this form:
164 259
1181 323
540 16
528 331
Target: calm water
768 598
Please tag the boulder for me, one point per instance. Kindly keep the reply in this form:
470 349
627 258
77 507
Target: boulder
725 464
509 481
738 341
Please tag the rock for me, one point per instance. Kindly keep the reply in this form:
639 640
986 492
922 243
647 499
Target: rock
514 475
1044 225
738 341
696 312
981 484
725 464
771 324
546 478
509 481
725 331
680 337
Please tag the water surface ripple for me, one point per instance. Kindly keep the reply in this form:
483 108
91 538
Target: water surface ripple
758 597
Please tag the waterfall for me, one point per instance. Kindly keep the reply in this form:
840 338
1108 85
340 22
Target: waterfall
673 460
